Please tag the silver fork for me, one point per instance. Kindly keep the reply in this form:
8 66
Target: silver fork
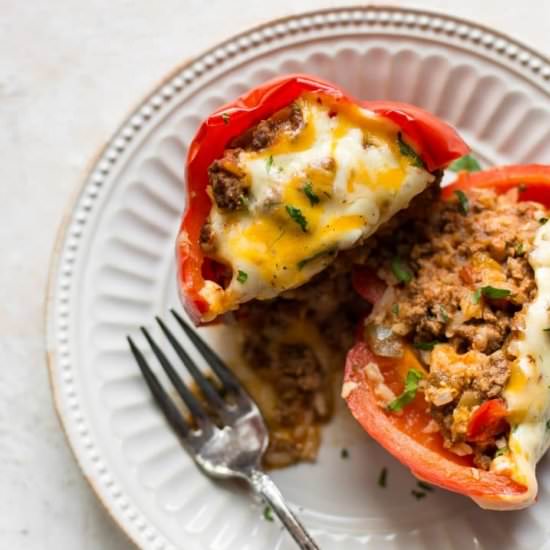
232 444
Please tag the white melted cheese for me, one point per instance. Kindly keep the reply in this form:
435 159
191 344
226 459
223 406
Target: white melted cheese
528 391
351 160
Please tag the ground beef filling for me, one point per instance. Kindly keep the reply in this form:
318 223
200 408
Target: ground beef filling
296 344
442 266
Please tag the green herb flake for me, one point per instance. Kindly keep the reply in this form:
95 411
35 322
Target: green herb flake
501 451
245 201
418 494
426 346
268 513
424 486
542 221
494 293
310 194
242 276
297 216
466 163
463 202
520 250
225 118
548 424
444 315
406 150
383 478
269 163
302 263
401 270
409 393
344 453
395 309
490 292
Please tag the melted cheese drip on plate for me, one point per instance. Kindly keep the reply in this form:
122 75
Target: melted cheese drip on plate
528 390
312 193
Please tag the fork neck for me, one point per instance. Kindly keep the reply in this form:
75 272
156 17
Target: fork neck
266 488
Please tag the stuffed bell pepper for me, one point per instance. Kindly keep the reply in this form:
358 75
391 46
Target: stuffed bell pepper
283 179
451 370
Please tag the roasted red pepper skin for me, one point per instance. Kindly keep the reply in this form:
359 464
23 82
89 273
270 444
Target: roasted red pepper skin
436 143
404 437
531 180
487 421
426 456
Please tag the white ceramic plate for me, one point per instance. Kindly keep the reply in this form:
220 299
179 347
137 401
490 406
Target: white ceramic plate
114 270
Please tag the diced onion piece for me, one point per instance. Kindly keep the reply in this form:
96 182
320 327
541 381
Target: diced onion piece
383 341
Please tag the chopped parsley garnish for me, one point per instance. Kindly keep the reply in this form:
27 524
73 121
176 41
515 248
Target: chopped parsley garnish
418 494
401 270
495 293
501 451
542 221
426 346
344 453
490 292
310 194
548 424
463 202
269 163
409 393
242 276
395 309
423 485
406 150
297 216
444 314
467 163
225 118
268 513
383 477
520 251
302 263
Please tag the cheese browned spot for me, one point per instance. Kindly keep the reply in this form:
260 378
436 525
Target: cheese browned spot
299 188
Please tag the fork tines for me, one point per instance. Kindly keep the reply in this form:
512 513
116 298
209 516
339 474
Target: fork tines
218 405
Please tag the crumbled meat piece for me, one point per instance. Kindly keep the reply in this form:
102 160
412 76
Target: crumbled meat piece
206 238
290 119
228 186
491 380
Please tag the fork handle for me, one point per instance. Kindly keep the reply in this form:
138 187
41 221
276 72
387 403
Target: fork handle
264 486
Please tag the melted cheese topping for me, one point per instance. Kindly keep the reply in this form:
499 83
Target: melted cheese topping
527 391
311 194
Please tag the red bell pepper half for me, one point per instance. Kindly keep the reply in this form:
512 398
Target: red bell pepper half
408 438
407 435
433 140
